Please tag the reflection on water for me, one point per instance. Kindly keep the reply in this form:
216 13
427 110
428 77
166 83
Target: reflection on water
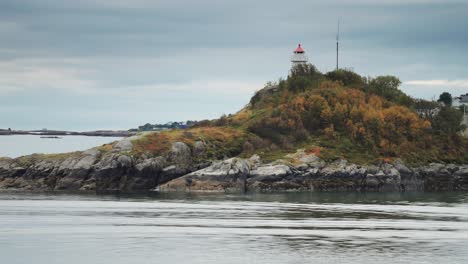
255 228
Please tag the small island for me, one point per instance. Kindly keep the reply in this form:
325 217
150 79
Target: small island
314 131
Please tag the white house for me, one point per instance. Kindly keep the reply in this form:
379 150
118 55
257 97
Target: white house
462 100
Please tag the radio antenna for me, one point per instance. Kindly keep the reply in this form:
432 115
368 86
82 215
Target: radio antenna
337 44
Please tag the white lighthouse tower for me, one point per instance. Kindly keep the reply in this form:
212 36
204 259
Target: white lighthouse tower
298 56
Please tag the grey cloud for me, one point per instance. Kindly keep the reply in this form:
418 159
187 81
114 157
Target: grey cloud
116 46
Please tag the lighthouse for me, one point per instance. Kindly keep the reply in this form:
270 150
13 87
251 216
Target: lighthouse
298 56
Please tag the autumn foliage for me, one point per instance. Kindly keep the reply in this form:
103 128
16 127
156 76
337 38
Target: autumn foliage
335 114
335 110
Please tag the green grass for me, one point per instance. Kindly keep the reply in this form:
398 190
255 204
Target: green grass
26 161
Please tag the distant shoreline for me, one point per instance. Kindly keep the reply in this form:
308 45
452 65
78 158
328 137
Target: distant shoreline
97 133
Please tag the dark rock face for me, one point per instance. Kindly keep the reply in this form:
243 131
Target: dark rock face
92 171
314 175
182 170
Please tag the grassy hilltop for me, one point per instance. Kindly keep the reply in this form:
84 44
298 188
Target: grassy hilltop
339 114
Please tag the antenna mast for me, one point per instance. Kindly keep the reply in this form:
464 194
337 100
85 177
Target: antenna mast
337 44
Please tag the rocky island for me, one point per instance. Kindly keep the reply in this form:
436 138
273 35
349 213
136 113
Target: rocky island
336 131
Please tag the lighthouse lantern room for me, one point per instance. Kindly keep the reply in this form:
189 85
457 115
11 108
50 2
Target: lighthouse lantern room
298 56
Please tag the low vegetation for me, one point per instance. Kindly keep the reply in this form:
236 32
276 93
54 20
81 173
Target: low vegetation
220 142
26 161
337 114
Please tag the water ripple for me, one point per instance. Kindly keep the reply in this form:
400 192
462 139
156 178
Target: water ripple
233 229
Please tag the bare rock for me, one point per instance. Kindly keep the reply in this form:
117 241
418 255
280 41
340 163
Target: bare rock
280 170
181 155
199 149
125 161
225 176
125 144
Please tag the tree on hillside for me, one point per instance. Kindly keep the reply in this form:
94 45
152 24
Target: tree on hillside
347 78
303 76
305 70
387 87
448 121
445 98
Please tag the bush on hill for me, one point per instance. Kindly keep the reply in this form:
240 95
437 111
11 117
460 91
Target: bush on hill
303 76
347 78
387 87
448 121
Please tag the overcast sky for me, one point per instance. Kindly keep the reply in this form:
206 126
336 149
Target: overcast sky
114 64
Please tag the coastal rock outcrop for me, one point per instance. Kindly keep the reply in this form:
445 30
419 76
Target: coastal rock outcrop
183 168
96 170
309 173
228 175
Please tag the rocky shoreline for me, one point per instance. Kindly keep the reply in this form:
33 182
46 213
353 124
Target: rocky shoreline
313 174
183 169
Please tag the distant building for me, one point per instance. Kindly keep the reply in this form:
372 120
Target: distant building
461 100
428 112
298 56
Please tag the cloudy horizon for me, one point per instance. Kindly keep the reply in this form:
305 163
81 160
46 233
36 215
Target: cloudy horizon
106 64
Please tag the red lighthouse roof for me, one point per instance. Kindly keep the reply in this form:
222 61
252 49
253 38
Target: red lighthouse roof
299 49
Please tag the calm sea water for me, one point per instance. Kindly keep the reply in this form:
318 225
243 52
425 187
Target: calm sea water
19 145
275 228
